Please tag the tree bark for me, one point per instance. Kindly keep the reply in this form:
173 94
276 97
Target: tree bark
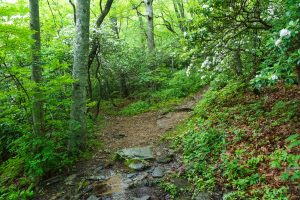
298 74
238 62
114 26
36 69
123 85
74 10
104 13
150 25
78 127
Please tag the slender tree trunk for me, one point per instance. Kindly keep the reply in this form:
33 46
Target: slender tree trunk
78 127
298 74
123 85
238 62
150 28
36 69
114 26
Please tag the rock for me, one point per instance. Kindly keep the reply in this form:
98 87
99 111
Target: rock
96 178
158 172
87 189
98 169
142 198
70 179
137 166
132 175
93 197
202 196
139 180
136 153
164 159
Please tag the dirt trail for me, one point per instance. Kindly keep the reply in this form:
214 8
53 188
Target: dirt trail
94 179
140 130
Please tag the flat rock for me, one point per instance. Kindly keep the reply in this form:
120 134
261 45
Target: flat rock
132 175
142 198
158 172
136 152
137 166
96 178
164 159
93 197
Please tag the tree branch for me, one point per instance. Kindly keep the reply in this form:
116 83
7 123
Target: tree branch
74 10
104 13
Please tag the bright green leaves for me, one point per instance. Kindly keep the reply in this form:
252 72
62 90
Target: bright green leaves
288 157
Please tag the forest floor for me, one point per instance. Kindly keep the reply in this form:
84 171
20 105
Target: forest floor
104 176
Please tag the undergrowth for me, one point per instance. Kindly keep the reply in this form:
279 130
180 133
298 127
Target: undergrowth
170 93
247 144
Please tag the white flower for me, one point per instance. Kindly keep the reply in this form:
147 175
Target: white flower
277 42
274 77
184 34
205 6
206 63
188 71
284 32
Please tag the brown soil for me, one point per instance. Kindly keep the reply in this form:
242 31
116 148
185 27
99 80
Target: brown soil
141 130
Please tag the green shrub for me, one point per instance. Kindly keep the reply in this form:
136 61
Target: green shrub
136 108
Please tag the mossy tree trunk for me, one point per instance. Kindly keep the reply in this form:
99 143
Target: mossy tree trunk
150 26
36 69
78 125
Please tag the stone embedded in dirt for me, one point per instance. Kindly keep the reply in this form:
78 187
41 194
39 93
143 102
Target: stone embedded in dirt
132 175
158 172
142 198
70 179
138 166
137 152
93 197
87 189
96 178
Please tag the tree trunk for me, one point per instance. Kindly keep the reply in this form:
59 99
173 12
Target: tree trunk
114 26
298 74
150 29
36 70
238 62
78 127
142 31
123 85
